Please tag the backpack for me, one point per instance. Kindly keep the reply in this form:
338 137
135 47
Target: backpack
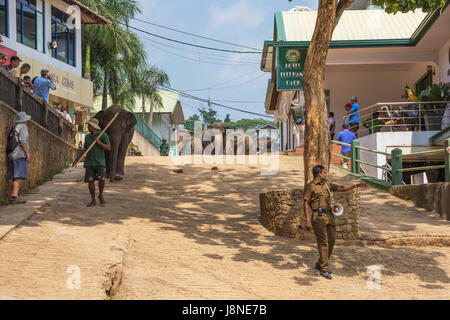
12 140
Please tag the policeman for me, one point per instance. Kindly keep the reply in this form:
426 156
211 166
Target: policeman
317 205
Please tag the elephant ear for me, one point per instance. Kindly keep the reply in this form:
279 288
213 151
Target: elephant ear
131 121
100 116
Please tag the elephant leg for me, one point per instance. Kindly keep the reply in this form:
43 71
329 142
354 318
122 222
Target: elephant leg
113 159
122 152
108 163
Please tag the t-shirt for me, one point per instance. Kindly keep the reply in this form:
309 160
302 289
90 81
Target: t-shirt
317 194
374 125
164 149
19 152
346 136
331 124
42 86
15 72
354 118
96 156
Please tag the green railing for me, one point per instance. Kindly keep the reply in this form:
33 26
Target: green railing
145 130
397 161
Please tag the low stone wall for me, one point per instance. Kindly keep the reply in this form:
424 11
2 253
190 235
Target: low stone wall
282 213
431 196
48 153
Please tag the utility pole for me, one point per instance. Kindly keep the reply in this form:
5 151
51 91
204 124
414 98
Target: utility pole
143 101
150 119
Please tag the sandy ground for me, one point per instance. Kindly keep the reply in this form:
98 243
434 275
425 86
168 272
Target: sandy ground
196 235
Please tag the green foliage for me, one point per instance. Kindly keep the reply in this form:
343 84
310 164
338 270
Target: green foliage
246 124
208 116
189 123
118 65
227 118
435 92
394 6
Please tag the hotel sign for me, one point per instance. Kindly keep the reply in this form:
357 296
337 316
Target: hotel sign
290 64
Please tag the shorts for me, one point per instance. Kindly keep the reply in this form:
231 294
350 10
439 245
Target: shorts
18 169
94 174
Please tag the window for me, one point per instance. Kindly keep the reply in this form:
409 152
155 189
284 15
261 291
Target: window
4 17
64 36
30 23
424 82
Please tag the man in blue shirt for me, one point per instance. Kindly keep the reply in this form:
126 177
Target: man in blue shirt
345 136
43 84
354 118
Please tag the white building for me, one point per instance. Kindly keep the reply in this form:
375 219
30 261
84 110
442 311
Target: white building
372 55
30 29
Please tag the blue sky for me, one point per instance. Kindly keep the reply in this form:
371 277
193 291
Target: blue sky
231 77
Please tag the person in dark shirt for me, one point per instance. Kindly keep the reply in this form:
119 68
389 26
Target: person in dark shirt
95 163
164 149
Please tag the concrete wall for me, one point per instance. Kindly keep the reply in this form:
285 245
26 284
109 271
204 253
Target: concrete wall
48 153
143 145
370 83
282 213
386 142
431 196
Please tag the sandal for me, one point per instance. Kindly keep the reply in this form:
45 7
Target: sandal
16 201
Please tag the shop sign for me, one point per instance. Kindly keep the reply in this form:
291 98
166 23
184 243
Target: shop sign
290 64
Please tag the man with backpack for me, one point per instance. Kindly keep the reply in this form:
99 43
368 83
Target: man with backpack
17 148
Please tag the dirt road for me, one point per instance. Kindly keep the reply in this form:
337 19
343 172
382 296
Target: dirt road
196 235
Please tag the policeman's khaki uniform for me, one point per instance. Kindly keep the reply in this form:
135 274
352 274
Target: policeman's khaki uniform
324 226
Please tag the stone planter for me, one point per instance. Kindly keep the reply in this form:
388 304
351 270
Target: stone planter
282 213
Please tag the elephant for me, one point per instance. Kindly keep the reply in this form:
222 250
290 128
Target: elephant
120 134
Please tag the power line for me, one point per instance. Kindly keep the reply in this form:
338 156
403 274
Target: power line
187 43
210 102
195 35
199 61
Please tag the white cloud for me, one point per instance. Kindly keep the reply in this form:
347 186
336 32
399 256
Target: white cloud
238 14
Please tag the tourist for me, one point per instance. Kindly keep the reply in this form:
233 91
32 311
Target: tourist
13 65
345 136
164 149
3 59
95 163
26 82
19 157
319 216
64 113
331 124
43 84
354 117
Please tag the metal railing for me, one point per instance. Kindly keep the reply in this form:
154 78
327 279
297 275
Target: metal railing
397 170
399 116
145 130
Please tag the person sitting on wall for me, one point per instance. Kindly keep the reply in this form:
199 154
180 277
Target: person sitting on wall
164 149
27 83
13 65
64 113
19 157
43 84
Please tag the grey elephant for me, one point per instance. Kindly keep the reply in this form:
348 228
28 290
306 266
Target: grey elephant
120 135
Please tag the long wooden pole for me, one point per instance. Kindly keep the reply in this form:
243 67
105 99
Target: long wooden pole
95 141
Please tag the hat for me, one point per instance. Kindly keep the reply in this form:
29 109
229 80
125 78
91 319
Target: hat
22 117
94 123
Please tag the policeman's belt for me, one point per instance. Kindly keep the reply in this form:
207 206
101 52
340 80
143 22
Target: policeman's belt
320 211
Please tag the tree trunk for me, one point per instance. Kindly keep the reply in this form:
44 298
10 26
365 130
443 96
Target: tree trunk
105 91
317 136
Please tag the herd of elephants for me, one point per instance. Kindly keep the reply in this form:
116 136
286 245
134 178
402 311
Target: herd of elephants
121 131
